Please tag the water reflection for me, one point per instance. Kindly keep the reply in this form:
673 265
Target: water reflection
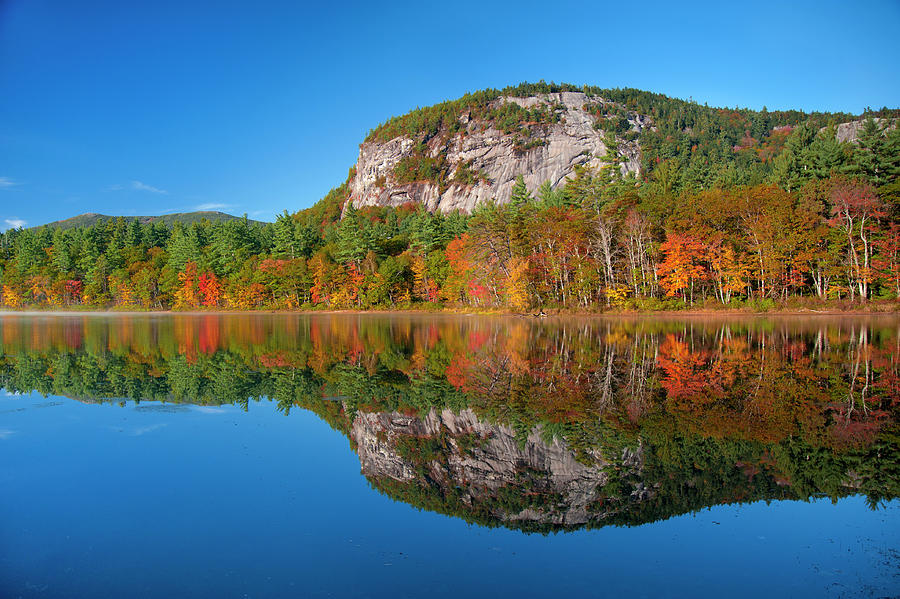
511 422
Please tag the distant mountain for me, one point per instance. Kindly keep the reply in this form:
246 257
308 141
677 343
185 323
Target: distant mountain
92 218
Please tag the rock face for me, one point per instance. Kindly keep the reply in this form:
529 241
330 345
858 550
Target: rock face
482 460
849 132
560 147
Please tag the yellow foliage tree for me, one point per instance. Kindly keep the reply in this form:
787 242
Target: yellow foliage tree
517 284
420 277
11 297
617 293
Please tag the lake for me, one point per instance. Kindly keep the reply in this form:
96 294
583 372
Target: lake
270 455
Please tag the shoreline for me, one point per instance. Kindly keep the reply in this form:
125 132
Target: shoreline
732 312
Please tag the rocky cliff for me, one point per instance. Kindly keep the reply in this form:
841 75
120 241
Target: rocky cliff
482 156
849 132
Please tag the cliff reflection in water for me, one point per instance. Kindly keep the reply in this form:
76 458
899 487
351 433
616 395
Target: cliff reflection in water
531 425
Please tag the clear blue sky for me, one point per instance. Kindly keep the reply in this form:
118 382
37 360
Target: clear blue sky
256 107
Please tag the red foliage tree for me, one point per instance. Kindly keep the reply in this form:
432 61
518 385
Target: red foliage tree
210 289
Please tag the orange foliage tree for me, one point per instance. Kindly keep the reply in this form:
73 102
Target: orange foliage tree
457 254
683 265
187 295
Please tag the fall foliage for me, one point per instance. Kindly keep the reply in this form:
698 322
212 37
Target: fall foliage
598 241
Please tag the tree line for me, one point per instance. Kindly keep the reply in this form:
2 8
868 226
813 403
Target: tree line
821 225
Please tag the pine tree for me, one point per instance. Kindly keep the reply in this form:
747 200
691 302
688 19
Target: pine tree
520 195
285 241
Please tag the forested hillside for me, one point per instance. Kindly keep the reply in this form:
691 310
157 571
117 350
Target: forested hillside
732 208
186 218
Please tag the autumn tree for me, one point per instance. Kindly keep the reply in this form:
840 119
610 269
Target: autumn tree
210 289
188 292
683 265
856 210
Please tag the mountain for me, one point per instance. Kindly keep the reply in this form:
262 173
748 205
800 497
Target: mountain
478 154
461 153
92 218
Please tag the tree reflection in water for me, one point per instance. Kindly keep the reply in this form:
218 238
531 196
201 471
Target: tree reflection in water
506 421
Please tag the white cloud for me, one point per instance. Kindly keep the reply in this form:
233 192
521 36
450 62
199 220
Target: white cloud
15 223
5 433
209 410
213 206
7 182
140 186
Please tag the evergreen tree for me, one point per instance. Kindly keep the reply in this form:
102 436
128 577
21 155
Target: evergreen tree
520 195
350 239
285 240
183 246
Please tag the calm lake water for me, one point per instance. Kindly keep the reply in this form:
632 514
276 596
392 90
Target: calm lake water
405 456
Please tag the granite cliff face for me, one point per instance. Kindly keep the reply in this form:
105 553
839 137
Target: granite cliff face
483 463
577 136
849 132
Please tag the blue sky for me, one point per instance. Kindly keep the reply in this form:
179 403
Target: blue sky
121 108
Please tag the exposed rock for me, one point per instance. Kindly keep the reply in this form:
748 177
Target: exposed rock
572 141
849 132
